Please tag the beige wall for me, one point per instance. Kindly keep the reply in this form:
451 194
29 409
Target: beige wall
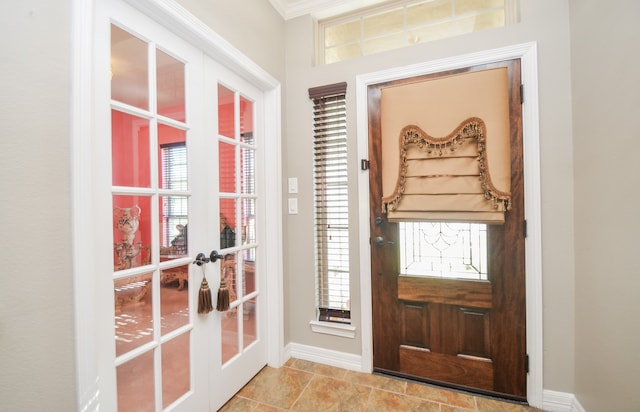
543 21
36 296
252 26
606 107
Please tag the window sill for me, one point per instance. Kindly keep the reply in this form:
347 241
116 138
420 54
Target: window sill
330 328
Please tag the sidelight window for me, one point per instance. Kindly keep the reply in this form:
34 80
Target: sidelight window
331 212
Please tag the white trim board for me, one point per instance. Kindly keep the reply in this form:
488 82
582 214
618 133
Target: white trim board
533 250
561 402
324 356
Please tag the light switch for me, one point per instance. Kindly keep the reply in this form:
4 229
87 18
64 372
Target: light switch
293 185
293 206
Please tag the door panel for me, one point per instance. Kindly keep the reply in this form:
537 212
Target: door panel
183 162
464 328
152 139
238 340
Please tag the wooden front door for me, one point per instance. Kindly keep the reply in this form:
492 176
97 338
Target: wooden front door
463 328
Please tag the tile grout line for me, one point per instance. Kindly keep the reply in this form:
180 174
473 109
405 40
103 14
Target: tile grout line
371 386
313 376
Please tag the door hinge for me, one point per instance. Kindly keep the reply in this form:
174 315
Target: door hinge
524 228
526 363
364 164
521 93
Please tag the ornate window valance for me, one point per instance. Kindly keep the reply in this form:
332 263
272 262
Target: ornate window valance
449 178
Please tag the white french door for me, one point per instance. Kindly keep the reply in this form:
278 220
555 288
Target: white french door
185 143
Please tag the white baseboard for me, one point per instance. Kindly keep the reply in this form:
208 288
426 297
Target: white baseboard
325 356
560 402
553 401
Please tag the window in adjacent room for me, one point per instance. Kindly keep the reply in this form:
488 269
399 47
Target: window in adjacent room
174 208
331 217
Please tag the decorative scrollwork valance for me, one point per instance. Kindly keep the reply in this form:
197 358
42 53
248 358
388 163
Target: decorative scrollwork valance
448 178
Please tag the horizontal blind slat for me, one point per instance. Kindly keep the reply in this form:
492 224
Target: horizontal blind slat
331 203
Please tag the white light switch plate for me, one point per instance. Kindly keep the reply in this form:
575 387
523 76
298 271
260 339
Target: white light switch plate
293 206
293 185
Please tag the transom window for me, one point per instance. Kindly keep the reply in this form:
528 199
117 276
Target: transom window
407 22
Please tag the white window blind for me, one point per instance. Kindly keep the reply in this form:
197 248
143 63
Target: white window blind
331 203
174 208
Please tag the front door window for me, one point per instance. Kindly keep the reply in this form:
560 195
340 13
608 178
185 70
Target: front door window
443 249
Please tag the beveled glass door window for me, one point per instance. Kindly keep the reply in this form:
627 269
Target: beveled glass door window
443 249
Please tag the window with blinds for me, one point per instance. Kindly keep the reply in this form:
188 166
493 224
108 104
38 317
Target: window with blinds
331 214
174 208
248 182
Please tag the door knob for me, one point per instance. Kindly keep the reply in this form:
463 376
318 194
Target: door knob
201 259
379 241
214 256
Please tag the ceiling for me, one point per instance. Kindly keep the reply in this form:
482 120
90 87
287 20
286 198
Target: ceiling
290 9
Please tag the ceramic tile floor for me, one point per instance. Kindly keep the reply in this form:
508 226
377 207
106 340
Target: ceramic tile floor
305 386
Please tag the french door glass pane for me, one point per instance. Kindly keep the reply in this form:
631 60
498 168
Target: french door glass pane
248 221
174 298
170 81
172 167
136 384
228 273
227 167
176 370
230 343
133 312
248 161
131 231
228 232
249 326
129 69
226 112
174 219
249 271
246 120
130 150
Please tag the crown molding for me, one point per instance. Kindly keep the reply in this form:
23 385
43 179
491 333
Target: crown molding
290 9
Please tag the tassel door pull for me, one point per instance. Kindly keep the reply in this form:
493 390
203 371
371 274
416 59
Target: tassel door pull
205 304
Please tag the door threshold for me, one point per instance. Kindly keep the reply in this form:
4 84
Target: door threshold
452 387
